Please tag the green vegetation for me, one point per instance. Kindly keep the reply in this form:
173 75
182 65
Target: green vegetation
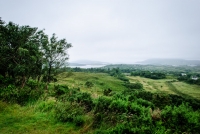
148 74
72 107
100 81
27 52
128 68
169 86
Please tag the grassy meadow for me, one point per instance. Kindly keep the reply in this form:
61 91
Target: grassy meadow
169 86
101 81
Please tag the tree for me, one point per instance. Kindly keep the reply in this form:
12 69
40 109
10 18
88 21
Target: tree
54 54
20 56
28 52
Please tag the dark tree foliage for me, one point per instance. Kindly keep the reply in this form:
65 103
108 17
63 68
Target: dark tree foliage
148 74
28 52
20 56
190 78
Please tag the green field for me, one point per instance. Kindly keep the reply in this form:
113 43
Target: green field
169 86
101 81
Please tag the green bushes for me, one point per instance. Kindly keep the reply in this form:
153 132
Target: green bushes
89 84
133 85
181 119
143 112
66 112
85 100
5 81
72 105
102 105
75 96
32 84
107 92
60 90
119 106
19 95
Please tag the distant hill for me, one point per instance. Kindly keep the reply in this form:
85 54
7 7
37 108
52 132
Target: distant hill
175 62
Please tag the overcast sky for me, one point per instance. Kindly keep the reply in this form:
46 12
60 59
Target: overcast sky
115 31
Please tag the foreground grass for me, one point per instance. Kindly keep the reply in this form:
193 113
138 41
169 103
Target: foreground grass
30 120
169 86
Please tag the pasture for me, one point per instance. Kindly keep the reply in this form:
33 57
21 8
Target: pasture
101 81
169 86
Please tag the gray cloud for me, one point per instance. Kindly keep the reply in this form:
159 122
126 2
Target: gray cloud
115 30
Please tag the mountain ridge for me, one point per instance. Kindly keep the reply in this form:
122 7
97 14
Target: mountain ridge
157 61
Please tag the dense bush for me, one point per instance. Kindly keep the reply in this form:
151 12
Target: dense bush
32 84
20 95
85 100
181 119
89 84
102 104
5 81
66 112
133 85
60 90
144 112
123 78
107 92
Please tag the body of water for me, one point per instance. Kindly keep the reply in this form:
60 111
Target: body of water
88 66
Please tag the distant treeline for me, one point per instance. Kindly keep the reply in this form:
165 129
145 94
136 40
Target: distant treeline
190 78
148 74
155 68
119 73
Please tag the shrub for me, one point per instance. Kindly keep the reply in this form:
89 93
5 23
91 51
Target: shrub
79 120
119 106
145 95
123 78
106 92
32 84
60 90
181 119
144 103
102 105
133 85
20 95
5 81
89 84
136 109
66 112
85 99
